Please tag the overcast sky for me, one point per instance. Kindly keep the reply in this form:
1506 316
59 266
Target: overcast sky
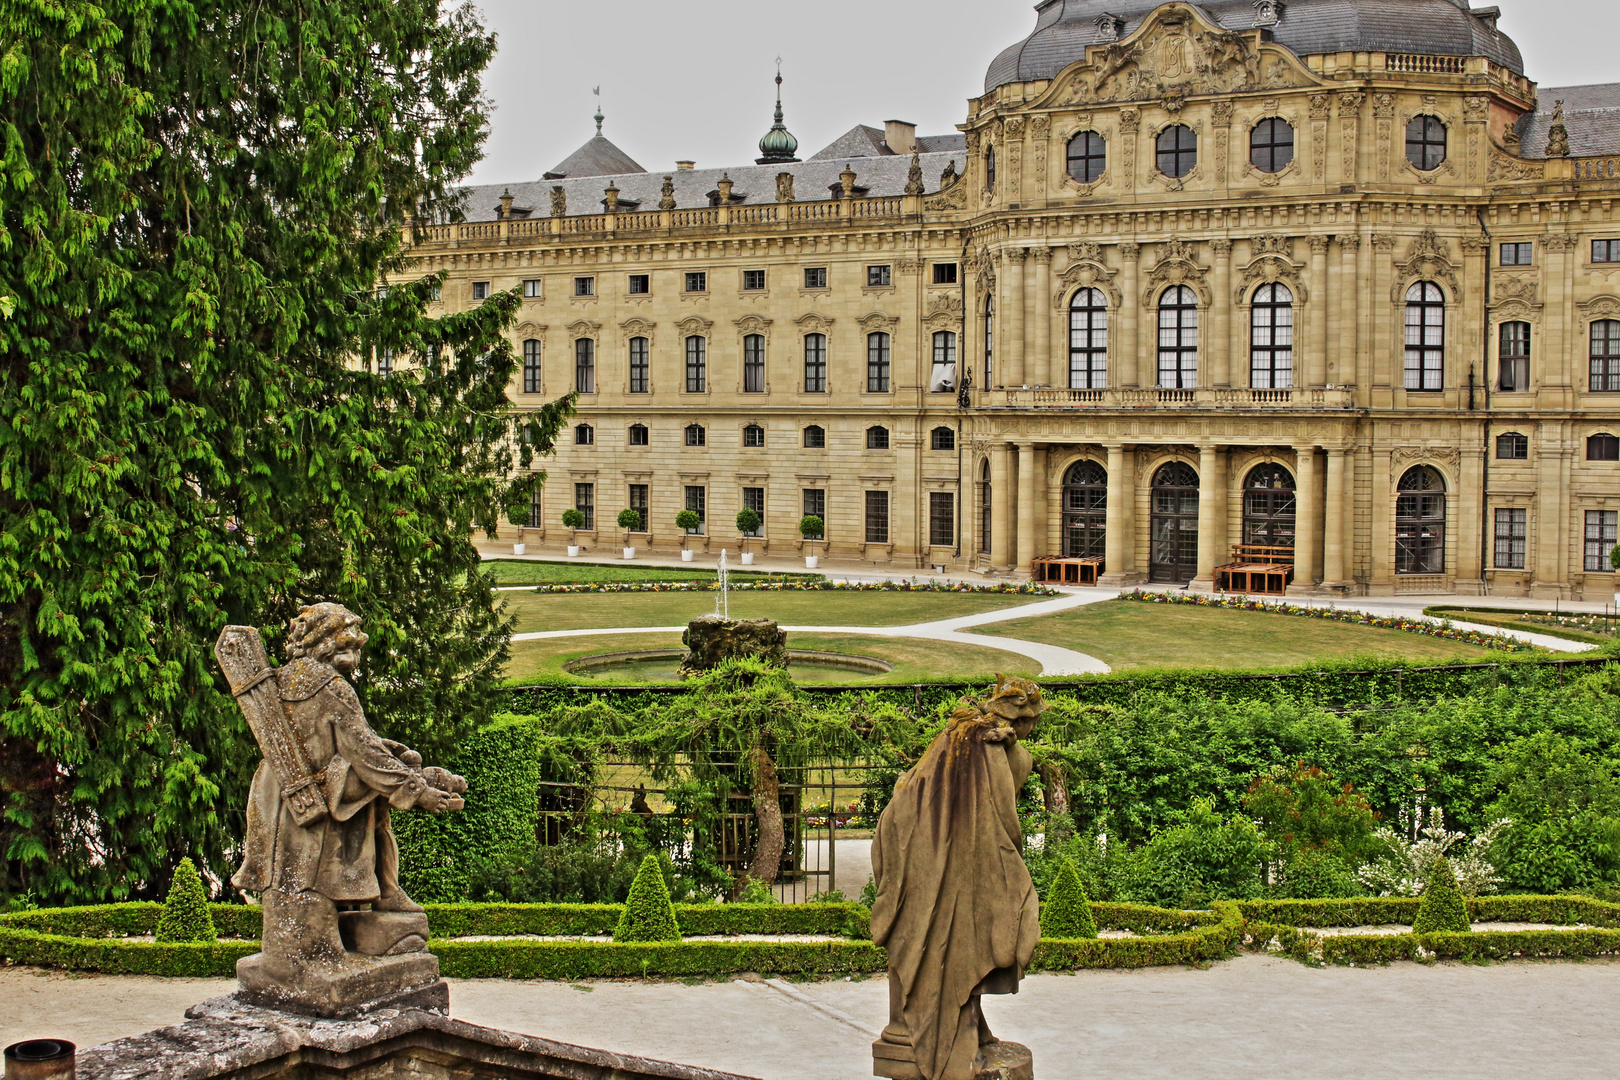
682 79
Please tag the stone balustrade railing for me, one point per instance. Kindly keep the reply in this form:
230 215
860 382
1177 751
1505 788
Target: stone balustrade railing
1337 397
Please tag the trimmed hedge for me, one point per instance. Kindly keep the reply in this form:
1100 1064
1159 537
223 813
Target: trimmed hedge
1067 911
590 959
185 911
648 915
1211 936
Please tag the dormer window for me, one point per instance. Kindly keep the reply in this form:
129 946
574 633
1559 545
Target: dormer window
1268 12
1109 27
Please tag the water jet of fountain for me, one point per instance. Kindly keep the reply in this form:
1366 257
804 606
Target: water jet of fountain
722 600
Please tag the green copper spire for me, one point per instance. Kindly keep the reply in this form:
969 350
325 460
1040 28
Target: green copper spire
778 147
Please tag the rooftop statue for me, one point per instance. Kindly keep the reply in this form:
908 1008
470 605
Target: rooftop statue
339 933
955 907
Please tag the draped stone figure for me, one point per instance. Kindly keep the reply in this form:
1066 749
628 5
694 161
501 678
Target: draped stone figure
955 907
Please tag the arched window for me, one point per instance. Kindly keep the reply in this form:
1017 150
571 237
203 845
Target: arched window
1605 355
1088 157
1088 340
984 509
1271 338
1271 145
1178 150
753 435
1178 337
1268 506
1420 522
640 366
990 168
942 378
1426 142
942 438
697 364
989 337
1173 535
1085 510
638 435
1425 337
754 364
585 366
877 363
1512 446
1602 447
584 435
815 437
877 438
1513 356
815 363
695 435
531 366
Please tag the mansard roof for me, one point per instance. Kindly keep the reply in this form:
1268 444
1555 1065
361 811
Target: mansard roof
1591 115
1064 28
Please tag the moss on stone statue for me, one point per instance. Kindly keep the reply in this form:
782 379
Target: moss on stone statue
185 911
1067 911
648 913
1442 907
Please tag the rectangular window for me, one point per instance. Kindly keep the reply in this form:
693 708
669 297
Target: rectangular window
638 434
877 517
480 290
585 503
815 363
754 499
531 366
639 365
942 378
385 361
1510 538
1605 251
584 286
754 364
984 517
815 277
753 435
1512 446
941 518
1425 338
585 366
877 276
697 501
944 273
1605 356
536 510
696 435
640 284
877 438
877 363
638 503
1602 527
753 280
697 281
815 503
531 289
1516 254
697 364
1513 356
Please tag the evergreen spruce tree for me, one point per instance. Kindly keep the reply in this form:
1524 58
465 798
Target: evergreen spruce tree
200 205
1442 906
648 914
1067 911
185 912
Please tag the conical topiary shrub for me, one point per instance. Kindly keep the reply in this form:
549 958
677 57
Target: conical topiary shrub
1442 906
1067 912
185 912
648 914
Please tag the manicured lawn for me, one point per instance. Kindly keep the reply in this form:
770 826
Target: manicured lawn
914 659
1129 634
522 572
537 611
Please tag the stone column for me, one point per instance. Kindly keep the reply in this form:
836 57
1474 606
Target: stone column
1310 362
1000 523
1381 556
1126 359
1014 371
1345 289
1027 470
1039 313
1307 511
1336 521
1220 344
1119 553
1211 515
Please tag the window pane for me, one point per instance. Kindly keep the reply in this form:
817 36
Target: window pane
877 517
815 363
941 518
585 366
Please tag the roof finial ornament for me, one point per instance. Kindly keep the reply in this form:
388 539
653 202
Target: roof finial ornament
599 117
1557 133
778 147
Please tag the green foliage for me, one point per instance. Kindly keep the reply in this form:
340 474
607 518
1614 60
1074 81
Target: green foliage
629 519
748 520
648 913
687 520
1565 811
811 527
1442 907
1197 859
1306 810
573 519
1614 556
185 912
1315 875
756 892
1066 912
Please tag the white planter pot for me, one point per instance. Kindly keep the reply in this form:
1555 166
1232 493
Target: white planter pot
812 561
686 554
519 549
748 558
573 550
629 552
1617 601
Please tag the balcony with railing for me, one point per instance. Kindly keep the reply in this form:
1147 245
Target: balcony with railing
1154 397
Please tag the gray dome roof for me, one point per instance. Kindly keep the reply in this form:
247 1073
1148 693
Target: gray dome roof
1064 28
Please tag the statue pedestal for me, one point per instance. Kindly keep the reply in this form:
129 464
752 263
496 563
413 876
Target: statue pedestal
1002 1060
345 988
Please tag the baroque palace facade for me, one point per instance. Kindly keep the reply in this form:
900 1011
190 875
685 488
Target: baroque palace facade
1307 276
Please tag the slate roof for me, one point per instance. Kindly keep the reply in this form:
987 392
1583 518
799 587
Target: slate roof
598 157
1064 28
865 141
1591 115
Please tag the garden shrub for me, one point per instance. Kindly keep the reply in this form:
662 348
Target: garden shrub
1442 907
1198 859
1565 811
1306 810
1066 912
648 913
185 912
1313 875
755 891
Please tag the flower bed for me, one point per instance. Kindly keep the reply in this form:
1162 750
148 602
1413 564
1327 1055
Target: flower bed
1021 589
1430 627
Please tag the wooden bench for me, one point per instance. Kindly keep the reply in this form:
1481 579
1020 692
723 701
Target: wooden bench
1063 570
1256 569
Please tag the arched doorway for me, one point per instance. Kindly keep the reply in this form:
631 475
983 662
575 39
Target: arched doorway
1085 510
1268 506
1420 522
1173 554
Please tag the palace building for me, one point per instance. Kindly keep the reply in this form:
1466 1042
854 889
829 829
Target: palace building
1326 285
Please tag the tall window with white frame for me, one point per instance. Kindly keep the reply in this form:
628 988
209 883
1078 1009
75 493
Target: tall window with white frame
754 364
1088 340
815 363
753 498
1605 357
531 366
941 518
1602 533
1420 522
640 366
1271 338
989 338
1425 337
536 509
942 377
697 364
1511 534
585 366
1513 357
877 517
877 362
1178 338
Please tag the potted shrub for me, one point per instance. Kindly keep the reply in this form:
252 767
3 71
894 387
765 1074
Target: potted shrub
747 522
629 521
811 528
687 521
573 520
